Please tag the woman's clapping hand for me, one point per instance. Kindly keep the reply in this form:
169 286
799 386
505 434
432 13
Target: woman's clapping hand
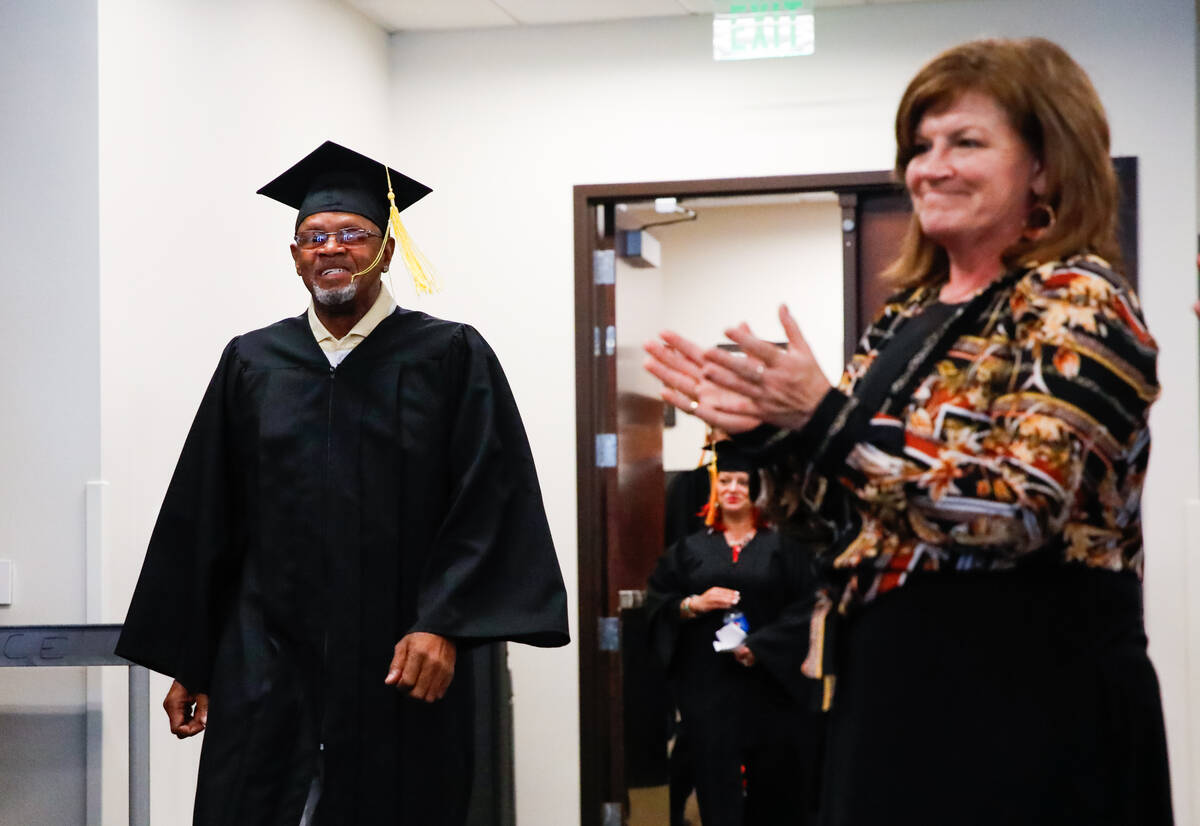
738 392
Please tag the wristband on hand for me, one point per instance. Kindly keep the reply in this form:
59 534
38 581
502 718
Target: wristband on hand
686 607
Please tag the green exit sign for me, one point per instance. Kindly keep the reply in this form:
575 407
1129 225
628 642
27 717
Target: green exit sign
751 31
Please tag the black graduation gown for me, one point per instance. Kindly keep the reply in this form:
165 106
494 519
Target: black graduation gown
758 717
318 515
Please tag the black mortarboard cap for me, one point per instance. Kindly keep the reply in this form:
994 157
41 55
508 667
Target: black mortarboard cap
731 457
727 456
333 178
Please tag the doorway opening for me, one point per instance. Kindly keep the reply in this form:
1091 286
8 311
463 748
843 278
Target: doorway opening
717 252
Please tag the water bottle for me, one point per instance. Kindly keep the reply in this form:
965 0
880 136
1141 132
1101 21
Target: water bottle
737 618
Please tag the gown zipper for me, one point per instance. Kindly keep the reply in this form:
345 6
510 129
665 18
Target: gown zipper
324 560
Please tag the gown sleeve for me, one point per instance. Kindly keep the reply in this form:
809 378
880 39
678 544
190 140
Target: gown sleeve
781 645
664 592
493 573
189 574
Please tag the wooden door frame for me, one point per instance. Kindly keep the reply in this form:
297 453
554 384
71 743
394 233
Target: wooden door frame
595 413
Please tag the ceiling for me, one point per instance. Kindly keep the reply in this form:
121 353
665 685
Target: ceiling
424 15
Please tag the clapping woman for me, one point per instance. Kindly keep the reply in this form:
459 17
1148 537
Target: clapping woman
981 462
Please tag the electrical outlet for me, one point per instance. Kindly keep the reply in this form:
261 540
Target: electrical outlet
6 581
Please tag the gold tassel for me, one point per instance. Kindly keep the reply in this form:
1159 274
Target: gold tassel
425 281
827 684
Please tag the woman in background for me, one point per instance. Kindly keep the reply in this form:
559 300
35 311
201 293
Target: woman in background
981 462
746 712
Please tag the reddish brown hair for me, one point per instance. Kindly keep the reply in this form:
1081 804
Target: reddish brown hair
1051 104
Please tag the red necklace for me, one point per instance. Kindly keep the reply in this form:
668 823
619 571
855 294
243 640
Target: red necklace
736 546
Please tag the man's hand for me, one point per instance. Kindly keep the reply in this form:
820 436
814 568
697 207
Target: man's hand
423 666
186 712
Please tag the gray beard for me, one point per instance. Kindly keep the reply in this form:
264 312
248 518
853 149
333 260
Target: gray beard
337 296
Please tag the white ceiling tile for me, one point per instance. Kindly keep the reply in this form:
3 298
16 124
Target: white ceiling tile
539 12
409 15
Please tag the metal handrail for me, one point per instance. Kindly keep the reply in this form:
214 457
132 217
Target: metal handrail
34 646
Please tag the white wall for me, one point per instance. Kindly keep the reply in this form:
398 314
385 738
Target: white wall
504 122
202 102
49 417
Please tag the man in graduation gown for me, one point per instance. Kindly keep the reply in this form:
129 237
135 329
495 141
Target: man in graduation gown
354 507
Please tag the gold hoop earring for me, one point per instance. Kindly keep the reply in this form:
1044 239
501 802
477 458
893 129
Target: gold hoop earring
1038 222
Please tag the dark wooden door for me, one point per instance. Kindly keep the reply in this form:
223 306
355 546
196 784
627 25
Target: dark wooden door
873 222
638 735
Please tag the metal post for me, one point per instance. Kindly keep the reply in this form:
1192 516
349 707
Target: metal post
139 746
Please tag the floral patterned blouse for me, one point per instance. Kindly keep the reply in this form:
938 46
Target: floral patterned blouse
1015 428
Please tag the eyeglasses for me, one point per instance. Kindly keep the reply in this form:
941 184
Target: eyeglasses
349 236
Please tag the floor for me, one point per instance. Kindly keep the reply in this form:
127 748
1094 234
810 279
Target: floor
648 807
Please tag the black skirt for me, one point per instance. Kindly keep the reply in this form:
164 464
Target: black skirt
1020 697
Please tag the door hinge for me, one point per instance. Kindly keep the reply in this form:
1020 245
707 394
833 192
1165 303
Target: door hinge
606 450
610 341
604 267
608 632
610 814
628 600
